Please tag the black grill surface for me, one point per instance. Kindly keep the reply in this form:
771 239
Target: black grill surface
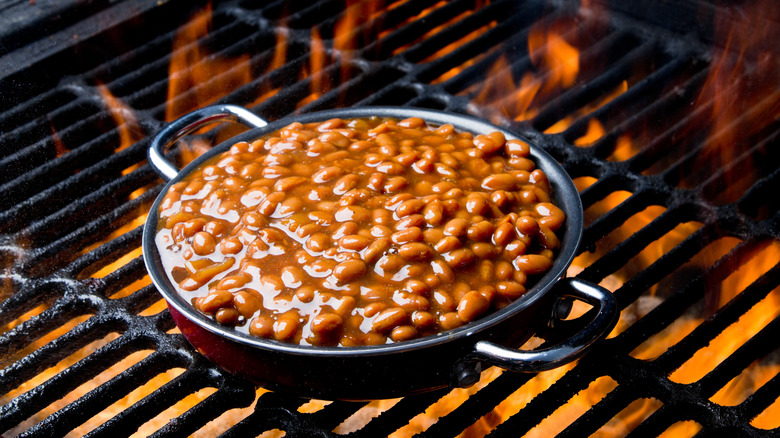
680 191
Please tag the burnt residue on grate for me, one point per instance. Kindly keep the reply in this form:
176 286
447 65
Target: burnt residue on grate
681 210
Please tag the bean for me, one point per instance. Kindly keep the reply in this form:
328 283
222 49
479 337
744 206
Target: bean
320 268
192 226
335 138
353 213
376 249
484 250
472 305
326 323
269 204
447 244
445 170
305 293
487 144
307 230
388 319
481 231
390 263
514 249
413 234
409 207
227 316
431 280
527 226
532 264
500 181
247 302
416 287
395 184
382 217
286 184
477 204
234 281
203 243
393 202
414 220
442 271
403 333
510 289
460 289
406 159
423 320
450 207
289 206
327 174
517 148
346 183
330 124
354 242
390 168
459 258
547 238
412 122
551 215
449 321
215 300
286 325
349 270
456 227
504 234
416 251
411 302
376 182
293 276
433 214
443 187
262 327
318 242
344 229
380 231
375 293
503 270
521 164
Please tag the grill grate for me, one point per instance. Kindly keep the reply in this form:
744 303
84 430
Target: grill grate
685 238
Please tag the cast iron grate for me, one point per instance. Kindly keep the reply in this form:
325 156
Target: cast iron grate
89 349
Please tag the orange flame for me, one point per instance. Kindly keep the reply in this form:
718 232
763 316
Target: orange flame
124 117
560 58
743 86
196 77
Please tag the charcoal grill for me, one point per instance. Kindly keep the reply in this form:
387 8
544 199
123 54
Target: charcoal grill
682 206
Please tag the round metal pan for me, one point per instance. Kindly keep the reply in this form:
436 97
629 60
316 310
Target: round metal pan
453 358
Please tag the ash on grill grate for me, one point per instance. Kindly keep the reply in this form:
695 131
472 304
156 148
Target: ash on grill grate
673 144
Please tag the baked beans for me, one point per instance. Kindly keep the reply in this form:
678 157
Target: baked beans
359 232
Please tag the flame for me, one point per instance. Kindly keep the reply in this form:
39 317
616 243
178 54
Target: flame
560 58
745 328
59 147
595 132
196 77
318 62
124 117
742 89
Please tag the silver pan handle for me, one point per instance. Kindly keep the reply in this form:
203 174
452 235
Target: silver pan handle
190 123
466 372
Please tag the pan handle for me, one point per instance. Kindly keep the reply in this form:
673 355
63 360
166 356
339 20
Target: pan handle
466 372
189 123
